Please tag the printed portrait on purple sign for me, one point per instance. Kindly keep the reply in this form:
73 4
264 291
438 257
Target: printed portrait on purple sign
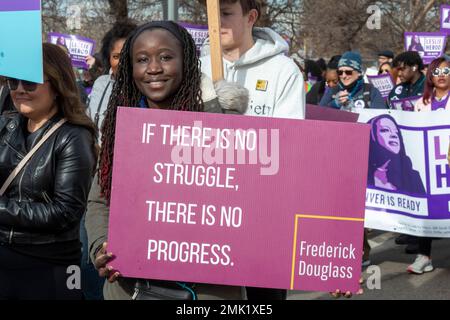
429 45
390 168
415 44
407 104
445 18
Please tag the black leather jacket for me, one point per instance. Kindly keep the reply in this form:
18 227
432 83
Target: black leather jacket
45 202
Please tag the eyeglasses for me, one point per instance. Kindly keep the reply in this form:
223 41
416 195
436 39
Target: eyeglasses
13 84
441 72
347 72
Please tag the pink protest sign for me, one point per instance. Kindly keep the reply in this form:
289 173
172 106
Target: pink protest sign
236 200
329 114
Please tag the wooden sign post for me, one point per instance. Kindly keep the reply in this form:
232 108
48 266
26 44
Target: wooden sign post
213 7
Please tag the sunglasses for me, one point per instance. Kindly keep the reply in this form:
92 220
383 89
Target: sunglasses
441 72
347 72
13 84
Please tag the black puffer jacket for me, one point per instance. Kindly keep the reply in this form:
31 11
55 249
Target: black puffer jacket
45 202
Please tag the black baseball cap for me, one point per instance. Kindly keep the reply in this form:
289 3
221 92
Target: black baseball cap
386 53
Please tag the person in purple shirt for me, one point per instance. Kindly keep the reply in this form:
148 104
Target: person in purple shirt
436 97
436 94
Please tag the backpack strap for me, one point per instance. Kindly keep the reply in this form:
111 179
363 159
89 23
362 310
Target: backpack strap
366 94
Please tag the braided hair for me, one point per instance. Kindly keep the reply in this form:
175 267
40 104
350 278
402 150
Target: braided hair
125 93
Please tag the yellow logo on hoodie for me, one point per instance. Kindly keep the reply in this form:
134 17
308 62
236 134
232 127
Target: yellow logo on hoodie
261 85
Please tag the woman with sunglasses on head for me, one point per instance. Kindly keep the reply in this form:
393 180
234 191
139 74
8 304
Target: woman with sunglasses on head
352 92
436 97
40 210
158 69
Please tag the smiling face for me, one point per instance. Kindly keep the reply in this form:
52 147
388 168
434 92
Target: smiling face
388 135
348 75
157 58
35 105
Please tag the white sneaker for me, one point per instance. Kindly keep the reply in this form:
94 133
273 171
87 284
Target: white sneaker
421 264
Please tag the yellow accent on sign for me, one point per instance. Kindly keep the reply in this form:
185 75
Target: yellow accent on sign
304 216
261 85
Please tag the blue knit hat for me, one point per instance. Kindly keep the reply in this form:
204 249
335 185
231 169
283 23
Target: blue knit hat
352 60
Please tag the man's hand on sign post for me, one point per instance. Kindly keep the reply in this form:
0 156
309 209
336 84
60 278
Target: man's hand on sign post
101 260
338 293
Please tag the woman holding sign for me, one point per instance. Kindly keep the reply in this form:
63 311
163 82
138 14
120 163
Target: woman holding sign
436 97
47 161
158 69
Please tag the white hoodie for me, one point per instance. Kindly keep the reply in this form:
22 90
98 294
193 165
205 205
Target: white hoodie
274 81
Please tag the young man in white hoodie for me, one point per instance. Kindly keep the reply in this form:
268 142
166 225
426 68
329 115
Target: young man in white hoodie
256 59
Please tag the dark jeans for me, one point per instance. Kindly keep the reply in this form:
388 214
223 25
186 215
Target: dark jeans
366 246
425 246
91 282
27 278
254 294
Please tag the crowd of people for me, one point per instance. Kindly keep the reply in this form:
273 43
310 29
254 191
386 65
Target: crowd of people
54 212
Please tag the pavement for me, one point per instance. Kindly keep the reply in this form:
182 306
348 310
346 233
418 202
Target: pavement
396 283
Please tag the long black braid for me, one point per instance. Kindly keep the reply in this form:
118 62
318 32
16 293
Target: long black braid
125 93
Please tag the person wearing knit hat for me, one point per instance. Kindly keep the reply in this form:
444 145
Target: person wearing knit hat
352 92
352 60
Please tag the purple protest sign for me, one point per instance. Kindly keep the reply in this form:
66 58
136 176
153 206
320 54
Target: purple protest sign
78 47
408 183
445 19
429 45
198 32
406 104
383 83
22 5
238 200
